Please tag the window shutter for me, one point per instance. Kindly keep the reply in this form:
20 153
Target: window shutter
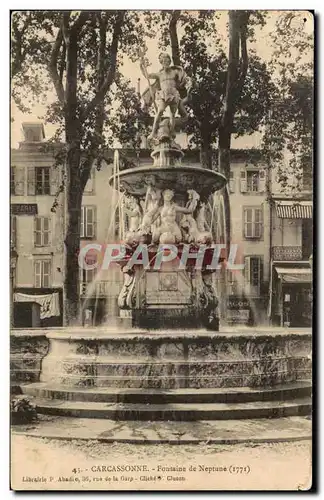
262 180
82 225
260 272
46 231
31 181
46 274
13 238
258 223
54 180
89 222
243 181
247 274
12 180
19 176
38 273
232 182
38 231
94 216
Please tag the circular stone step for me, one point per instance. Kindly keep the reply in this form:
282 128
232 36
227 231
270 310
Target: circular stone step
175 411
152 396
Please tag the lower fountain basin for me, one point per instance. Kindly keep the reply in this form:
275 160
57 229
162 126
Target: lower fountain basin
165 360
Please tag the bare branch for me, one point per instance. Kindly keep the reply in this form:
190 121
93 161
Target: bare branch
57 80
99 96
19 53
62 65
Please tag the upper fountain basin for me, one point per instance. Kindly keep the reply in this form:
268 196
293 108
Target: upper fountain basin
135 180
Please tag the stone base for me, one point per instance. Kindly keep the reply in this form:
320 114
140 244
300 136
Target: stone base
173 375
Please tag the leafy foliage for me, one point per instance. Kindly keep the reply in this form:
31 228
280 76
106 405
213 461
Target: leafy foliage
202 54
22 410
81 53
289 125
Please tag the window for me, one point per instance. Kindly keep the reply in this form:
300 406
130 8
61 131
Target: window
252 274
12 180
252 180
42 231
42 180
253 223
39 181
88 222
42 273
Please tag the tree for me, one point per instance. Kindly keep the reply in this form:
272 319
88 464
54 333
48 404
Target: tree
232 94
290 123
81 52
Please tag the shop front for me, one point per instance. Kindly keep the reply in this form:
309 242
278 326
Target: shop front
292 296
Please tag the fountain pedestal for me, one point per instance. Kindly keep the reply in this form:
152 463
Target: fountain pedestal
169 297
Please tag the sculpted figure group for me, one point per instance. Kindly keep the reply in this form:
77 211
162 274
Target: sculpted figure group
157 219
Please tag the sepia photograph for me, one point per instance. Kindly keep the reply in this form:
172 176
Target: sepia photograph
161 250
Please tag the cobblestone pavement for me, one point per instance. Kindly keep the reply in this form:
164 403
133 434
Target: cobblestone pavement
88 465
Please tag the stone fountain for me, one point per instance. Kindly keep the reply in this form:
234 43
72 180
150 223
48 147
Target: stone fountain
166 208
168 204
168 359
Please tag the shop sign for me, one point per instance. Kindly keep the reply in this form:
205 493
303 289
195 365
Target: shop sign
237 303
23 208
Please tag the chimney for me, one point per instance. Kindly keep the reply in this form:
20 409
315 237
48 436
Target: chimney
33 131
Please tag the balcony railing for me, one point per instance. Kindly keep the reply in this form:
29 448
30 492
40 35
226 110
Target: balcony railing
287 253
100 289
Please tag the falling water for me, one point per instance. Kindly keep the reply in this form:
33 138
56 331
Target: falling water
112 275
244 291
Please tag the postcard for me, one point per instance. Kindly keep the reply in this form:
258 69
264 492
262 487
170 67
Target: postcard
161 250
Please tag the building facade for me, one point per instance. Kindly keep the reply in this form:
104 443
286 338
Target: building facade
37 235
291 243
248 289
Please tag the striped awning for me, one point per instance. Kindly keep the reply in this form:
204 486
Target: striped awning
294 209
294 275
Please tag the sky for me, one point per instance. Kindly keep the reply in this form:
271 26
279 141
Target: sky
132 71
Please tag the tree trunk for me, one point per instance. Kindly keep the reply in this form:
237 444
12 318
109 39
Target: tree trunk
224 165
226 126
175 15
72 238
225 132
206 154
73 186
